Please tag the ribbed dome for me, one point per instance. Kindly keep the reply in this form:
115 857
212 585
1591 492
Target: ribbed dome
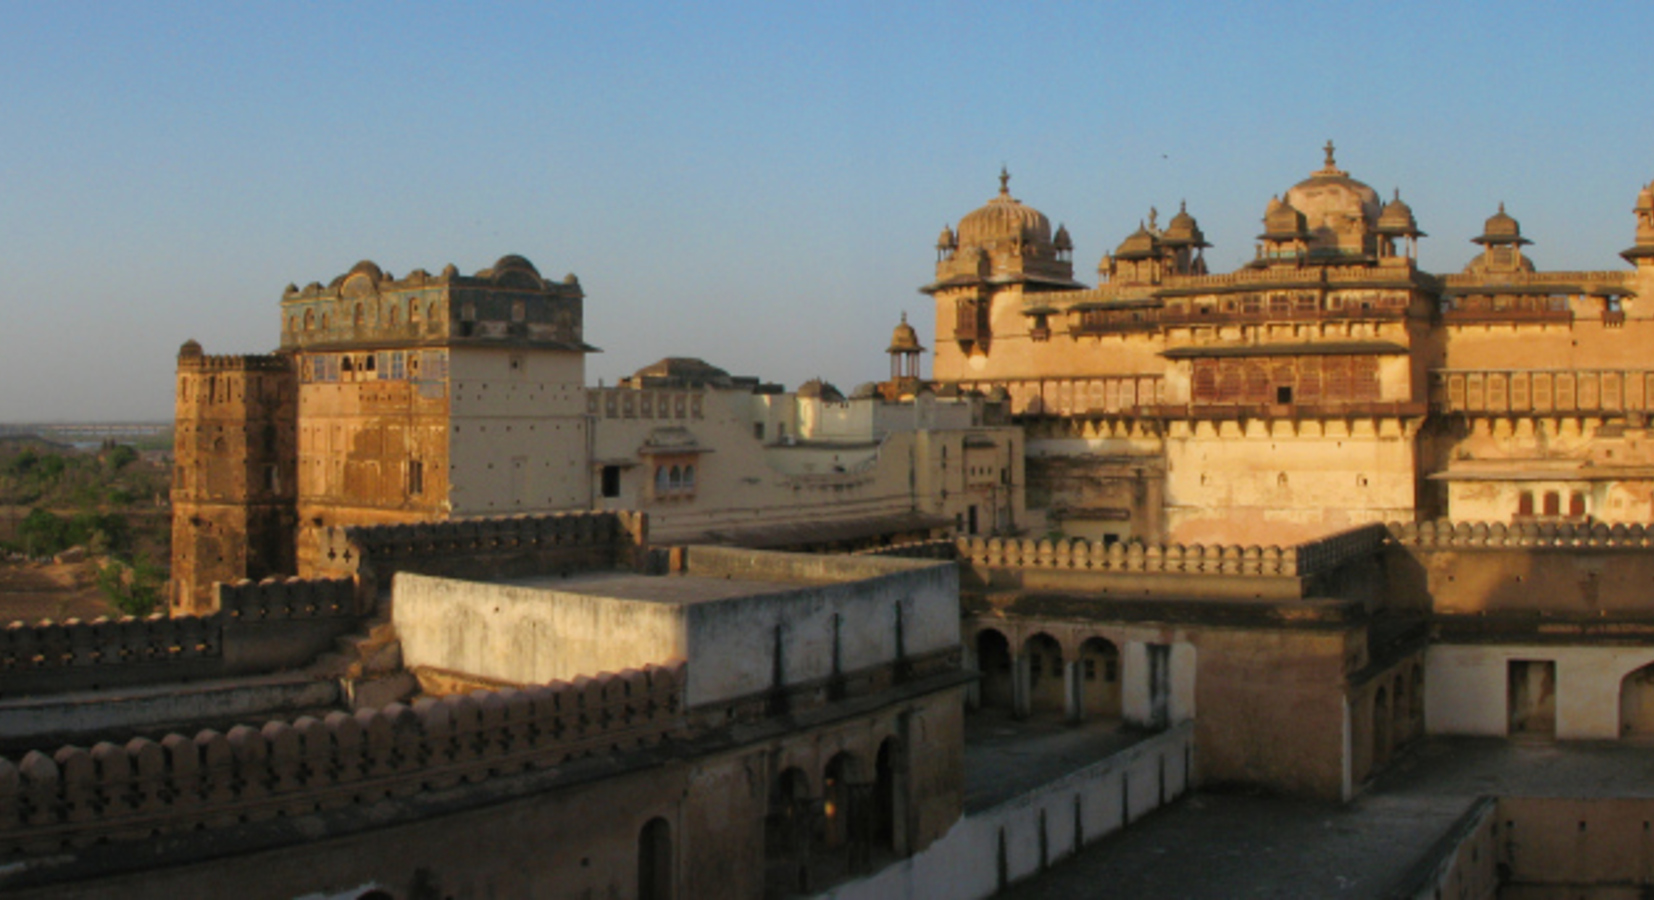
1183 230
1397 217
1330 192
904 338
1138 245
1501 228
945 241
1004 218
1282 219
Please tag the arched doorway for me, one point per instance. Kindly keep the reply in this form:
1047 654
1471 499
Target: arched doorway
993 659
788 829
845 810
888 833
1100 679
1381 728
654 860
1637 703
1043 657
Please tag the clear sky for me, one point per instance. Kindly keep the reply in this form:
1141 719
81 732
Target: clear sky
756 184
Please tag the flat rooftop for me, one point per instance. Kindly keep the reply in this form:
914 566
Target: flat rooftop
1007 757
676 590
1251 845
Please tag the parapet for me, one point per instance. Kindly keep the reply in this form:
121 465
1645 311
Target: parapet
1302 560
503 547
73 644
76 796
262 362
1536 535
291 598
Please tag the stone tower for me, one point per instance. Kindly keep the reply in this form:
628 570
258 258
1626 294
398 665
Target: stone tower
233 493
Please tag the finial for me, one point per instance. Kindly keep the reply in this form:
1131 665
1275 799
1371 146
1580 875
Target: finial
904 317
1154 216
1328 148
1182 206
1004 179
1398 195
1501 207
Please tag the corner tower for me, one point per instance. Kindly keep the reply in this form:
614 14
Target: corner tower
234 487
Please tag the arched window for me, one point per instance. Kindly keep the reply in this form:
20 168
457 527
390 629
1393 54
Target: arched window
676 479
661 485
1524 503
309 319
688 477
654 861
390 316
359 316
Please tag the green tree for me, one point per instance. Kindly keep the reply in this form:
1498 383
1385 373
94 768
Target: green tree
133 588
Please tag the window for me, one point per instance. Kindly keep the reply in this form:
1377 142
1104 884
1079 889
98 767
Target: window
689 479
1524 503
416 477
611 481
1576 505
1553 503
661 485
1283 394
758 431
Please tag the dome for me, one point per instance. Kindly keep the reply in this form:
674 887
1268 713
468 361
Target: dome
1500 228
513 261
817 389
1397 217
1062 241
1004 218
1329 195
1183 230
1282 220
945 241
190 349
1139 245
366 267
904 339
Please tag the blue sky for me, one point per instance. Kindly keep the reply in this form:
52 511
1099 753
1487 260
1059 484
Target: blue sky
755 184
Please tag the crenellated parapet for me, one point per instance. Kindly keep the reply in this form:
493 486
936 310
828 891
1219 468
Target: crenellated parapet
1537 535
77 796
258 627
106 643
506 546
263 362
286 598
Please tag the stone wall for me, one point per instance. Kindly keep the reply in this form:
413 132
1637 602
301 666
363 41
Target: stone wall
261 627
76 796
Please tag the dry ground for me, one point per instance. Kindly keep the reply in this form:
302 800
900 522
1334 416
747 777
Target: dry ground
35 591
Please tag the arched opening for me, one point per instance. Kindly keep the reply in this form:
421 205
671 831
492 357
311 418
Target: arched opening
309 320
993 659
846 814
1043 657
1637 703
888 833
660 480
788 827
1416 696
1381 728
654 860
676 480
360 316
688 477
1100 679
390 316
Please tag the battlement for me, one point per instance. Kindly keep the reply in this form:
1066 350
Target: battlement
289 598
491 548
1302 560
365 276
262 362
259 627
76 796
73 644
1537 535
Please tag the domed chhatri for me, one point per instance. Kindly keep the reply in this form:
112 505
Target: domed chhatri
1502 244
904 338
1004 218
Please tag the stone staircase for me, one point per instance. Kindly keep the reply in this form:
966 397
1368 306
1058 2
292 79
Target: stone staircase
368 666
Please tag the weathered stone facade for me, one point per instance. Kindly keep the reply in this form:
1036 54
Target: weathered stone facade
1330 382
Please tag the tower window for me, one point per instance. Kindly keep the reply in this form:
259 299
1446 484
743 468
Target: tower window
611 481
1283 394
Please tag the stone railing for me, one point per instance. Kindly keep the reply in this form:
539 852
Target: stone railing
1527 534
77 796
648 403
1539 390
103 642
1303 560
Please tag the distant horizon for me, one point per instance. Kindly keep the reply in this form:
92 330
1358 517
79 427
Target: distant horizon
757 186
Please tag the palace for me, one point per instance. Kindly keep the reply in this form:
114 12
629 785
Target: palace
1328 383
